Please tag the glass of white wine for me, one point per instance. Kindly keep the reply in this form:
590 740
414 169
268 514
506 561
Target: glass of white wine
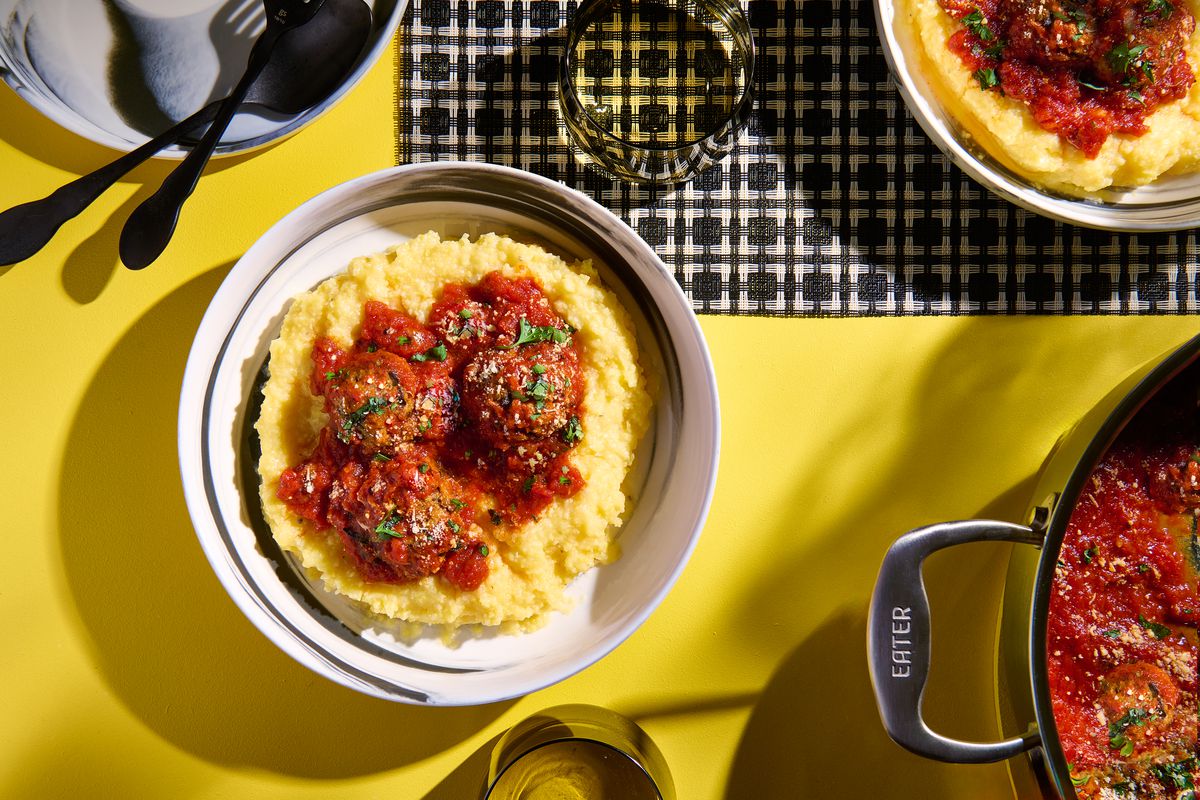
577 752
655 91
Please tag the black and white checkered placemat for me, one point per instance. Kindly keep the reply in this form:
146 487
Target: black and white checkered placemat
835 203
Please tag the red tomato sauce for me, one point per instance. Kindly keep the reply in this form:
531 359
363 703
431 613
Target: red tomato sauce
1124 607
439 431
1086 70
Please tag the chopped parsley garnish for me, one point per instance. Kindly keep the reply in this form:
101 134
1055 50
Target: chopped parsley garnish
456 504
527 486
539 369
466 313
373 406
1088 555
1076 780
573 432
1143 568
422 468
564 480
1116 730
454 526
977 25
1123 58
1134 716
381 457
1177 774
437 353
1161 7
1119 742
1159 631
387 527
1112 634
424 425
338 375
402 340
987 77
483 550
372 347
1094 87
532 334
538 390
495 516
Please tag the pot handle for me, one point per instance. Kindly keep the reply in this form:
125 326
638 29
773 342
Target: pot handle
898 640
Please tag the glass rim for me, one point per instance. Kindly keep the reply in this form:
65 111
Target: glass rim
575 30
574 738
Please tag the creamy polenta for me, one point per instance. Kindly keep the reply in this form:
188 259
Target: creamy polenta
530 566
1006 129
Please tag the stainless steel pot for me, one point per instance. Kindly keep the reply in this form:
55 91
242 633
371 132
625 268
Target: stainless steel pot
898 627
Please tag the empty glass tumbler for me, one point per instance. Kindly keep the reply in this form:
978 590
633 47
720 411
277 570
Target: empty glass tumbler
657 90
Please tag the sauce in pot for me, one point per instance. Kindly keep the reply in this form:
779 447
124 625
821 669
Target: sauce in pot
1124 608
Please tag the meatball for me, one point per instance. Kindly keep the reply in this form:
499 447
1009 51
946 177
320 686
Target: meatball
372 402
1052 34
402 518
1141 46
1173 478
1139 702
523 394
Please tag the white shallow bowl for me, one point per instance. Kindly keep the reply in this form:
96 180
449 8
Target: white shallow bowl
221 395
1167 204
109 69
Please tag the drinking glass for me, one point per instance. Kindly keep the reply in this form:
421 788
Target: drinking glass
657 90
578 751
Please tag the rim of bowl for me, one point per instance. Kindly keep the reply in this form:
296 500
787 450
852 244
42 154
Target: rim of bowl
1114 217
82 126
209 351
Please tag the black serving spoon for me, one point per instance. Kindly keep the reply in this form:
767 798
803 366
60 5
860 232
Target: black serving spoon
308 65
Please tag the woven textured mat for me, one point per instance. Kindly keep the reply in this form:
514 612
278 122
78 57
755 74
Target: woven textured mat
833 204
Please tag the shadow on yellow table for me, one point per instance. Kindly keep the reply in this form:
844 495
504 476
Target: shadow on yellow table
165 636
841 487
90 266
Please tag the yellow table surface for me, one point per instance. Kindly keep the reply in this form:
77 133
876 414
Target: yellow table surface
128 673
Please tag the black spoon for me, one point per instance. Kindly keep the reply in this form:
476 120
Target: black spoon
308 65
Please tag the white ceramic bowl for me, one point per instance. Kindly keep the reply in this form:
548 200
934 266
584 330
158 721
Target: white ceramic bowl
221 391
95 66
1167 204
